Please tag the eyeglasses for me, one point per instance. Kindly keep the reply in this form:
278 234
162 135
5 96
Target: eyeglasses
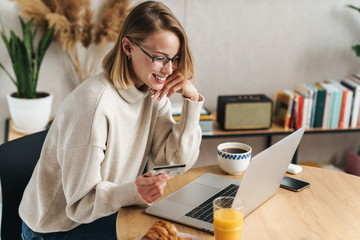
160 61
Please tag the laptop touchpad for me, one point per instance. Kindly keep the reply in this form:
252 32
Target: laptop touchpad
193 195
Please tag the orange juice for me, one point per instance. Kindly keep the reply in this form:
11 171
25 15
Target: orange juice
228 224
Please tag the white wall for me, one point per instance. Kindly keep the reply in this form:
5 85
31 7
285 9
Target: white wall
241 47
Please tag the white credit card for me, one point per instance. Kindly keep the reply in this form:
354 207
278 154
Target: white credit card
171 170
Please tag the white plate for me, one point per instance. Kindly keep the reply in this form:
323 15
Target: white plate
180 234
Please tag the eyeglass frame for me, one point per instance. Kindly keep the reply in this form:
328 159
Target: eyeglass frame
154 58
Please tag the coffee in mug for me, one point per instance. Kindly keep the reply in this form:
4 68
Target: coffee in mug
234 157
234 150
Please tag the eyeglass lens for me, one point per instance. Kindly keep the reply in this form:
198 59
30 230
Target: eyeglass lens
161 62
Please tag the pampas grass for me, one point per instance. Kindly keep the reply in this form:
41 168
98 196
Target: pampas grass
77 29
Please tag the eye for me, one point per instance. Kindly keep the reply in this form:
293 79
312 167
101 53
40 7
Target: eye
160 58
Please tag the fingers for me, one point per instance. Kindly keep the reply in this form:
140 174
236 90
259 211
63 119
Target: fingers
170 88
176 83
151 187
155 193
173 84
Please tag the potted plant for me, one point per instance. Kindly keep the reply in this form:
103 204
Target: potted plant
82 34
30 110
355 48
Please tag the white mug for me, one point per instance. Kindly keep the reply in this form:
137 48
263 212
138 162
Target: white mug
233 157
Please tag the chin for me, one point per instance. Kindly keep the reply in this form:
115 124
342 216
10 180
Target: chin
157 87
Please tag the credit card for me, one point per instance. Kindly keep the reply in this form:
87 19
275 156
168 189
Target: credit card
171 170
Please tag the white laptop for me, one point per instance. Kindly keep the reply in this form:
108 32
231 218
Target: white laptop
192 204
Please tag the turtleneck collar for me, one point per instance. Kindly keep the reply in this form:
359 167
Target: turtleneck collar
132 94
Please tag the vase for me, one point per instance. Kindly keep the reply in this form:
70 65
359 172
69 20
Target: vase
30 115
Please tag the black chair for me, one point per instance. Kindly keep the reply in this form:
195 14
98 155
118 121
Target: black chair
17 162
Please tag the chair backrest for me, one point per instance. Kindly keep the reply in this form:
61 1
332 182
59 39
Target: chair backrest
17 162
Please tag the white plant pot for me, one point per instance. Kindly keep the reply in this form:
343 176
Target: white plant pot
30 115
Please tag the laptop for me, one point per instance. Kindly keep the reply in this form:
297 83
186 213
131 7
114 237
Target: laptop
192 204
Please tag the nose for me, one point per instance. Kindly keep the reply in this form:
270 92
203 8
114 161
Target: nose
168 69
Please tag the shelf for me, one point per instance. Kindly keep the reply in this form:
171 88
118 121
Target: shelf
11 134
275 129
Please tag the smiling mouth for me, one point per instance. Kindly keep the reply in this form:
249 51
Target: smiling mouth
160 78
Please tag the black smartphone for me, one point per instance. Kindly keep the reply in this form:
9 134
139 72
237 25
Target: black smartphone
293 184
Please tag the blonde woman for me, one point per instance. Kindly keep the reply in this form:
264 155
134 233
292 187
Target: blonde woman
107 129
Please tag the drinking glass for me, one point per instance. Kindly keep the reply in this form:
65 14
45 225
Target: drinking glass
228 218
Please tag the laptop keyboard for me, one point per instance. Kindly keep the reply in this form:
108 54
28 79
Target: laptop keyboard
204 211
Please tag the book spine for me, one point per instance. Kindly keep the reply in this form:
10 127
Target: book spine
299 110
282 108
326 109
355 103
320 106
336 109
342 110
348 107
355 78
314 102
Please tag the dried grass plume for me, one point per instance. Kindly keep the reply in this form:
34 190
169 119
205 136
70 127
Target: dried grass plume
76 27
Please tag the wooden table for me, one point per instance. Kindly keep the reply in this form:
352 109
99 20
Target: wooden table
328 209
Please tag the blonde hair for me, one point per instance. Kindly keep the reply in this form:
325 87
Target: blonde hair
145 19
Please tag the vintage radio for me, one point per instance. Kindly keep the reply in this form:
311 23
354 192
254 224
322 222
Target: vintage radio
244 112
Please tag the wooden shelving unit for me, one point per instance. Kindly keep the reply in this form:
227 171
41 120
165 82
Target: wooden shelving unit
269 133
11 134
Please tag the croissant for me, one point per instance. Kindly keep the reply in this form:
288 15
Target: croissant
162 230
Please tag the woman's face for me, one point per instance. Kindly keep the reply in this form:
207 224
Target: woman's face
161 43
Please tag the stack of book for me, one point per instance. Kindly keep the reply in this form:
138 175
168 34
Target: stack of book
206 118
329 104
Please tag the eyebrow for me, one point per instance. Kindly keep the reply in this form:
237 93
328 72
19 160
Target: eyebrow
165 54
159 52
162 53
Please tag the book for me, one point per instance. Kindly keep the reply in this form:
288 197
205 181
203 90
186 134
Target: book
345 104
326 106
355 102
295 102
337 99
308 95
206 127
314 102
356 79
320 105
299 107
209 116
206 118
176 108
283 103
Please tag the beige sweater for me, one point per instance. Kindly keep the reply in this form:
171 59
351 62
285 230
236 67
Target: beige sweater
97 146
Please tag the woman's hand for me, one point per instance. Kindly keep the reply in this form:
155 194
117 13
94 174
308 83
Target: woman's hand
151 187
176 83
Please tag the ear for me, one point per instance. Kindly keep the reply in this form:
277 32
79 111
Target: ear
126 46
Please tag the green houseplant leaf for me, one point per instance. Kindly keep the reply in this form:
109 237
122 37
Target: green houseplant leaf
25 59
355 48
353 7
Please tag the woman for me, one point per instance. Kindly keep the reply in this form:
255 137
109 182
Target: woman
107 128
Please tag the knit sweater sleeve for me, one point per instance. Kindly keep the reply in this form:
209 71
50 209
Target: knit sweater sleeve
92 186
177 143
88 196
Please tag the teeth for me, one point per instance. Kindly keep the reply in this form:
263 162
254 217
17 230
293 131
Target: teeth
161 79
